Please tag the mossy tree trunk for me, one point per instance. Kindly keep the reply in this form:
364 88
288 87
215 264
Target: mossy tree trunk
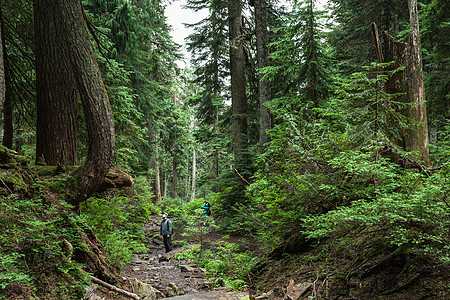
70 42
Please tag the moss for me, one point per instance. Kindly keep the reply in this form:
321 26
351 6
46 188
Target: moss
13 180
45 170
10 164
22 159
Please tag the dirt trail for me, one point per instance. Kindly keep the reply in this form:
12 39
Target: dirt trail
172 279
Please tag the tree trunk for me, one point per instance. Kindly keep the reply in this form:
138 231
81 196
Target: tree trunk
5 90
216 114
238 83
2 65
8 130
264 88
174 191
56 128
165 185
417 133
157 180
194 174
61 27
409 80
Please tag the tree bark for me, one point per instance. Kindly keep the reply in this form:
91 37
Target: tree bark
2 65
155 158
57 95
238 82
409 80
418 131
64 21
5 90
174 191
8 130
264 88
194 174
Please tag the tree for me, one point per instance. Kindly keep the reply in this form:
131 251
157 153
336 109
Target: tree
350 37
74 42
18 56
208 45
299 71
409 81
2 65
264 88
57 94
238 81
434 28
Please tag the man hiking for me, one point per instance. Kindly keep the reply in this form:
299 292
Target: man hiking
166 231
206 212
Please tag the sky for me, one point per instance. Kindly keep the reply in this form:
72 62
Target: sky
176 16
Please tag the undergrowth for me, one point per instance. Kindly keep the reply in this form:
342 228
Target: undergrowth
34 260
224 263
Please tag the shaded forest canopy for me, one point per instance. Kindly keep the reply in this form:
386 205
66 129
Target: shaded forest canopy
320 131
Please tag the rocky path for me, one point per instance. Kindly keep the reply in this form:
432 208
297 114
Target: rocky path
157 275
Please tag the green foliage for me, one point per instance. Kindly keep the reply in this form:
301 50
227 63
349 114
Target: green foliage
300 67
10 266
224 260
118 222
31 247
415 214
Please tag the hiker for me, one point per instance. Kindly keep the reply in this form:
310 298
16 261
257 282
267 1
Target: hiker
206 212
166 231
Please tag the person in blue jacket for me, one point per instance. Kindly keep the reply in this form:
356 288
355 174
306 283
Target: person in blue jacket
166 231
206 212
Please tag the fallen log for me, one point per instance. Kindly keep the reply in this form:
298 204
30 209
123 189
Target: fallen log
115 288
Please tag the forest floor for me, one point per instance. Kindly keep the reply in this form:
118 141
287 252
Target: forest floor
170 278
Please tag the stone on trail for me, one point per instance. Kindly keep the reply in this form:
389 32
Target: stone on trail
144 290
295 291
213 295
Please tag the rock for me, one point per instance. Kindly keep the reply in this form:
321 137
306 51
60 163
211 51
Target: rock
264 296
186 268
144 290
116 178
163 257
295 291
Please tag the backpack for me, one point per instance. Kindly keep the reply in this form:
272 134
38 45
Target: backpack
208 212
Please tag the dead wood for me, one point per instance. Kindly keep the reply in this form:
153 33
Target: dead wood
115 288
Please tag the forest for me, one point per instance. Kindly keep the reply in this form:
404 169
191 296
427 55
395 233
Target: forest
319 132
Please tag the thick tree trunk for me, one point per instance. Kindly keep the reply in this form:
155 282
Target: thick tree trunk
155 158
238 83
409 80
264 88
56 128
417 133
62 29
2 66
94 99
5 90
